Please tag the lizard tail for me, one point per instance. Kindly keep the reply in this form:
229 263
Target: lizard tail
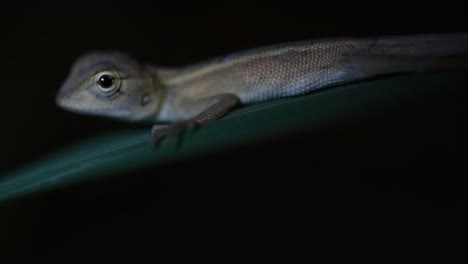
422 45
420 53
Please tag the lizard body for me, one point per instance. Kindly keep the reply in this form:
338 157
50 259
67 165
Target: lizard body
114 84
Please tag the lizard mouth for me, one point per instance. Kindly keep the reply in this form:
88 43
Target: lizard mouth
77 106
72 106
62 99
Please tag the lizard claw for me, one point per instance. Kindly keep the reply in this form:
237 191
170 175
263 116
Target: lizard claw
160 131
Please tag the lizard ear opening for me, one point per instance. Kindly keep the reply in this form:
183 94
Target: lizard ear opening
145 98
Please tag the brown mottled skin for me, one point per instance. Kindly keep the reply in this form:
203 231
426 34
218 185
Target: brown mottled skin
114 84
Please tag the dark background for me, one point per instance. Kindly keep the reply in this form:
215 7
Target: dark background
112 217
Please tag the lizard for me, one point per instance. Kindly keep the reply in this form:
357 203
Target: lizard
116 85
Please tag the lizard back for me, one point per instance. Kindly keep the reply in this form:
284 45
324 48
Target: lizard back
297 68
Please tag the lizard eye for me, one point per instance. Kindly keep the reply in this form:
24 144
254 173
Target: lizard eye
106 82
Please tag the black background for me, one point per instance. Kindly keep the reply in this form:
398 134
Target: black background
179 205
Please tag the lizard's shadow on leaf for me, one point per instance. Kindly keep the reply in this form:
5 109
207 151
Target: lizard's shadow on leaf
177 140
179 137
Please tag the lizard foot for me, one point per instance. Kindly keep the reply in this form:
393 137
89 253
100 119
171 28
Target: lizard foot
160 131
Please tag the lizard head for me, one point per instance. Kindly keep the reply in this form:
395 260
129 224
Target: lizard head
110 84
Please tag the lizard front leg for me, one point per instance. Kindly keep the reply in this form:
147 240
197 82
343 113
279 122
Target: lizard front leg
224 104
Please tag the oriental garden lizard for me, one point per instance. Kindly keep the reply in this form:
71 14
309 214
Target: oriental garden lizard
114 84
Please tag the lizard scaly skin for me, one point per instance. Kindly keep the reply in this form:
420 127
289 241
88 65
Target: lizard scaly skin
116 85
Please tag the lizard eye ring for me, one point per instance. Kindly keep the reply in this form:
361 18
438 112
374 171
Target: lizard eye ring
107 82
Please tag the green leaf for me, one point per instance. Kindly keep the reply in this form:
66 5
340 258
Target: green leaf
127 150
